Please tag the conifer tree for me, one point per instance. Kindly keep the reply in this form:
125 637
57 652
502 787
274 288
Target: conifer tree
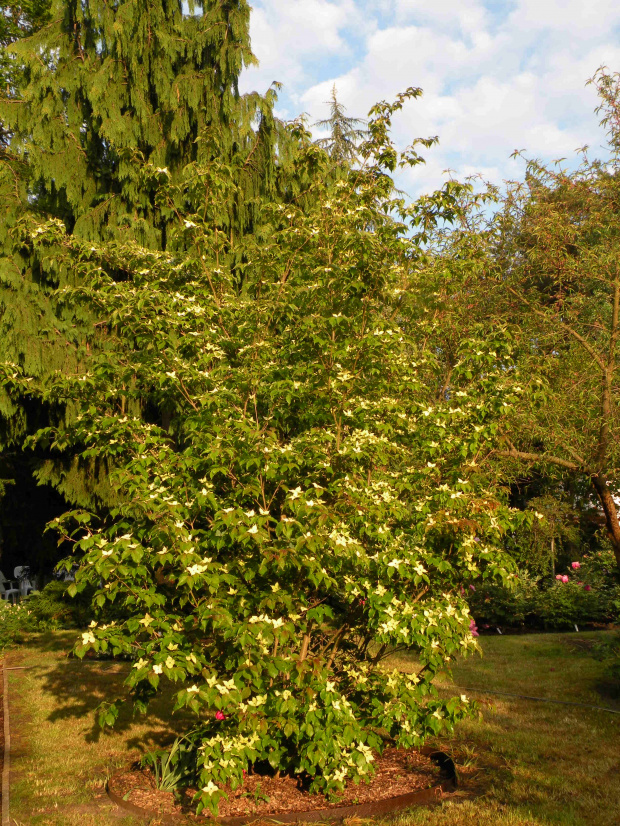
106 102
17 20
341 144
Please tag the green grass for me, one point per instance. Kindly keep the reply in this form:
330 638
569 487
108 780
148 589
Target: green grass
531 763
522 763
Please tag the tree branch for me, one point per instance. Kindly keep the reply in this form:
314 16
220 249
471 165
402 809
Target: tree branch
538 457
585 344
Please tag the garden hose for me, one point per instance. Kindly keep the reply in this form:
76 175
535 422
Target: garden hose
527 697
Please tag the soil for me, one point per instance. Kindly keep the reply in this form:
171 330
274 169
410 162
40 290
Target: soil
398 772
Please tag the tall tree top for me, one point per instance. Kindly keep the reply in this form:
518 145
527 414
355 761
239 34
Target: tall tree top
106 82
341 144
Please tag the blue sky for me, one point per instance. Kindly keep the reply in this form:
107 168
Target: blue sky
496 76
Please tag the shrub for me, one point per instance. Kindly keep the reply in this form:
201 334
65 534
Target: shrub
53 608
48 609
585 594
313 504
15 622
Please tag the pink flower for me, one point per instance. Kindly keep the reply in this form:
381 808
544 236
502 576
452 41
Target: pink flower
575 566
472 588
473 628
587 588
564 578
219 715
559 577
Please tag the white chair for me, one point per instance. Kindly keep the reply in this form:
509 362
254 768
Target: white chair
21 574
8 589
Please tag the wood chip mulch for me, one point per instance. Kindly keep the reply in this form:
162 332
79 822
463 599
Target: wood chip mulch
398 772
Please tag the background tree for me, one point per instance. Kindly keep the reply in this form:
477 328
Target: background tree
342 143
103 103
557 254
17 20
544 267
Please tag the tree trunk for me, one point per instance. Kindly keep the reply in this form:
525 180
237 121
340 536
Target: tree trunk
611 514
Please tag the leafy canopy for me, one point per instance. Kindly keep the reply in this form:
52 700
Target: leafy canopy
315 504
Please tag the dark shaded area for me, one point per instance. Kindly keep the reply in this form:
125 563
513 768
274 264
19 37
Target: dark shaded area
25 510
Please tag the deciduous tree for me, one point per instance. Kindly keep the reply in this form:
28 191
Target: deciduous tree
320 506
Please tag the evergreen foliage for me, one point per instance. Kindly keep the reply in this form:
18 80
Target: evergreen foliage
17 20
342 144
106 84
106 102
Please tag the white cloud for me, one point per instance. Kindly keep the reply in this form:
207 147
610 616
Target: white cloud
496 76
287 34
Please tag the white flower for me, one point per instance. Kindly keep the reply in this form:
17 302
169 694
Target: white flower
210 788
87 637
253 529
295 493
146 620
158 669
169 662
141 663
193 570
193 689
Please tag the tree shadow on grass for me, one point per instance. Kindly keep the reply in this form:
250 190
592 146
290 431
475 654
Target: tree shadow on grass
78 687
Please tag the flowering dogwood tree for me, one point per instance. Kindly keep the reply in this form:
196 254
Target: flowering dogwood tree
316 503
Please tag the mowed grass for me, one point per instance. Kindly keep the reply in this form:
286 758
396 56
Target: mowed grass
60 759
528 763
522 763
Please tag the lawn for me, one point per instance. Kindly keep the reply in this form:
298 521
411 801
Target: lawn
524 763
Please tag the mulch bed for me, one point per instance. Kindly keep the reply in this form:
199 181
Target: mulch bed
398 772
